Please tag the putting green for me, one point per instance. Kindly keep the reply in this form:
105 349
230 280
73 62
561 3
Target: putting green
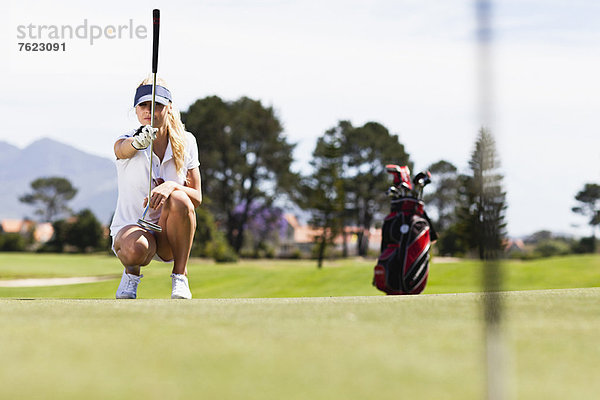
428 346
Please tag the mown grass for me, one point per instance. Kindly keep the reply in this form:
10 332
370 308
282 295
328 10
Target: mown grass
285 278
425 347
329 335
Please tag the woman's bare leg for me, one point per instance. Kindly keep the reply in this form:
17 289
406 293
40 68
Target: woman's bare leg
178 221
135 247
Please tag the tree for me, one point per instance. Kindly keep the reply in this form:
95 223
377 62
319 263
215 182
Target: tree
366 151
539 236
442 198
589 205
57 243
484 203
322 192
209 241
50 196
85 232
12 241
265 225
245 158
443 194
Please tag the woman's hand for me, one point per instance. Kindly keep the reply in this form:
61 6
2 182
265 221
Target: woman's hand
143 137
160 194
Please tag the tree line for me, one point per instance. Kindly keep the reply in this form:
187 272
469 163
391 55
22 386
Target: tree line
246 165
248 182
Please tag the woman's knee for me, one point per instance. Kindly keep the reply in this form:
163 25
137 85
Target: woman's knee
135 252
179 202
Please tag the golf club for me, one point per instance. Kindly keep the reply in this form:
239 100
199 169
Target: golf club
421 180
156 25
395 171
393 192
405 183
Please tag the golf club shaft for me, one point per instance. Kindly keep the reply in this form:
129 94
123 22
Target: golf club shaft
155 35
152 124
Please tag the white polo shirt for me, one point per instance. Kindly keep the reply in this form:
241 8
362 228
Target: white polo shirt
133 179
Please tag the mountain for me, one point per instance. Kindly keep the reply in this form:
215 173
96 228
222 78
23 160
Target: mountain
95 177
8 152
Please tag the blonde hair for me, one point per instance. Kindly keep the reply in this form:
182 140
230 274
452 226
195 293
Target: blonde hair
175 130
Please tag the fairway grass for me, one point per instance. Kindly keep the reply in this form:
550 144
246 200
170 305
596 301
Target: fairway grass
280 278
365 347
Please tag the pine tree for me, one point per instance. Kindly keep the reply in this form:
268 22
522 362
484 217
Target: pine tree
484 201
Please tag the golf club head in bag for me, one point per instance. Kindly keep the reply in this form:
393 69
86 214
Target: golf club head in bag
421 180
401 177
393 192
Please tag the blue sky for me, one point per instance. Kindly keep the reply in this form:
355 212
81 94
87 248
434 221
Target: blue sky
410 65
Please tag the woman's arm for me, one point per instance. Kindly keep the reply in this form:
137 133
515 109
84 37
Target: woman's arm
124 148
193 186
143 137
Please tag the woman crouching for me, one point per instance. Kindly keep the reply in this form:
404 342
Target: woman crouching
174 196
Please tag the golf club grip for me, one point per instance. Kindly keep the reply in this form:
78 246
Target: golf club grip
155 32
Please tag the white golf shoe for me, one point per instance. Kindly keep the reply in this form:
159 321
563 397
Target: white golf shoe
128 287
181 287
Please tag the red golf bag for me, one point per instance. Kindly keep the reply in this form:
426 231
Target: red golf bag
403 266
